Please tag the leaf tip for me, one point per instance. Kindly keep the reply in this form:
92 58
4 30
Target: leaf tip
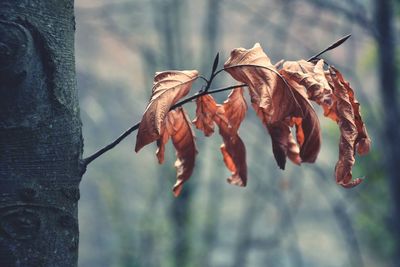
138 146
236 181
352 183
177 188
363 147
280 156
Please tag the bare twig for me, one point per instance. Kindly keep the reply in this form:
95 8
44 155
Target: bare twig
200 93
103 150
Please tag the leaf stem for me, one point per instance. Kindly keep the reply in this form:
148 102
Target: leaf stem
203 78
89 159
84 162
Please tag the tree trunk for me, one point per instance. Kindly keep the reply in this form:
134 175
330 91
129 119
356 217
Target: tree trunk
40 134
387 71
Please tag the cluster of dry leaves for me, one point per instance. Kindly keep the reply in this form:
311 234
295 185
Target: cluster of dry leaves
280 94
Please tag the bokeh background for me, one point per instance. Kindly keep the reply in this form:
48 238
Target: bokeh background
297 217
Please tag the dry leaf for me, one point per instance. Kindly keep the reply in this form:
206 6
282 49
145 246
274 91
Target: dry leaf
231 115
161 146
307 81
348 130
312 77
281 100
168 88
308 129
363 142
206 108
331 111
270 95
183 139
168 130
283 143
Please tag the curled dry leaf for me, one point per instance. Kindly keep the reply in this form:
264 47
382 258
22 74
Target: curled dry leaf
309 83
228 118
168 88
270 95
283 143
308 135
348 130
308 129
168 130
177 125
281 100
161 146
363 141
206 108
331 112
312 77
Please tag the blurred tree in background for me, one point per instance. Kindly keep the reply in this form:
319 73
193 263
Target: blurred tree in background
129 217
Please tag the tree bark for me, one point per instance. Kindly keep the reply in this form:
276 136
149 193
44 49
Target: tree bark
40 134
387 72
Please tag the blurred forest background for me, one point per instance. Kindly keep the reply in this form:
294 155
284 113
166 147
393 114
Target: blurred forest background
297 217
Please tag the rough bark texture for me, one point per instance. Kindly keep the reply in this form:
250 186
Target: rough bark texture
387 69
40 134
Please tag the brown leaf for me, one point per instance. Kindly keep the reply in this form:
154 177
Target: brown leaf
206 108
298 122
312 77
308 129
348 130
293 150
168 130
234 110
283 143
307 80
363 142
168 88
270 95
231 115
183 139
331 111
161 146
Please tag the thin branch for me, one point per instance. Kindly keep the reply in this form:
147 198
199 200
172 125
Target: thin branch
103 150
203 78
200 93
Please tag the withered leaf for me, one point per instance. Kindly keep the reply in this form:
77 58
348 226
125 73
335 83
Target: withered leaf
363 141
161 146
168 130
331 111
270 95
308 129
281 99
307 81
168 88
183 139
206 108
283 143
348 130
312 77
230 116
